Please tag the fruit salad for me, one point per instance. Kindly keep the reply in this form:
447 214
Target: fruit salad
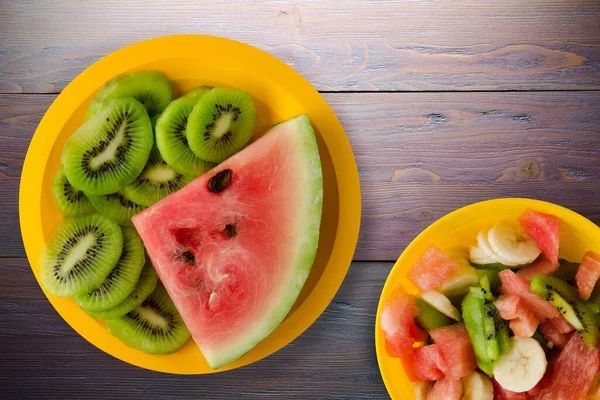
505 318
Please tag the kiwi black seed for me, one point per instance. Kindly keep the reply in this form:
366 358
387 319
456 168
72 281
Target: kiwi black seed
155 326
221 124
110 150
117 207
69 201
156 181
171 137
564 297
121 280
80 255
150 88
144 286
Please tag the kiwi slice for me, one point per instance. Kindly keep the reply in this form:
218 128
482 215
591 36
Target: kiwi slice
156 181
428 317
144 286
150 88
171 137
117 207
567 271
110 150
564 297
121 280
155 326
221 124
80 255
69 201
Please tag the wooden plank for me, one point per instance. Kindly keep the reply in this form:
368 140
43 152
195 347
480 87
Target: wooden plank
344 45
42 357
420 156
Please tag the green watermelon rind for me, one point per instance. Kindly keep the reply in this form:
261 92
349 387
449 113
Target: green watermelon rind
310 217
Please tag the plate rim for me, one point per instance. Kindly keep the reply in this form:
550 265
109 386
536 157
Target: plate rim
349 196
529 203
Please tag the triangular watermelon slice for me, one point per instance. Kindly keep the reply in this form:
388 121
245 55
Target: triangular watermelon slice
235 246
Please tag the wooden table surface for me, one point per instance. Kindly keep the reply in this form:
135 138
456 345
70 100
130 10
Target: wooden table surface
445 103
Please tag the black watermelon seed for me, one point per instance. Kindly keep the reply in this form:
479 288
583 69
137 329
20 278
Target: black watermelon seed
220 181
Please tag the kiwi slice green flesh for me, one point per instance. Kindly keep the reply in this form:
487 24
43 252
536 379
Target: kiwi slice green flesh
80 255
564 297
150 88
110 150
117 207
221 124
121 280
171 137
155 326
69 201
144 286
156 181
428 317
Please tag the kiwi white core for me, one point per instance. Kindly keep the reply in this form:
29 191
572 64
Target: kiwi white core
151 316
160 173
109 152
222 125
77 253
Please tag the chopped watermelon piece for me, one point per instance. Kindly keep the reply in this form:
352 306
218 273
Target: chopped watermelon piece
561 325
432 269
574 371
426 363
553 335
446 389
588 274
507 306
398 323
512 284
456 348
526 322
541 266
545 230
502 394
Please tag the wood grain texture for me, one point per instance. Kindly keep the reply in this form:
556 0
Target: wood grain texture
419 155
365 45
42 357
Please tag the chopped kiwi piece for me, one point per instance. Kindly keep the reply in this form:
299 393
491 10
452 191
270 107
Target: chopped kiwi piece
117 207
221 124
503 338
567 271
144 286
110 150
69 201
152 89
80 255
428 317
171 137
155 326
156 181
593 302
478 326
497 266
121 280
564 297
537 335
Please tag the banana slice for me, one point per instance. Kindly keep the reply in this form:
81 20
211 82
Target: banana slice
522 366
477 386
441 303
479 256
422 389
510 242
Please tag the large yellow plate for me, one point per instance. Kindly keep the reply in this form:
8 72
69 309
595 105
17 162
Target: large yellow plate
279 93
459 229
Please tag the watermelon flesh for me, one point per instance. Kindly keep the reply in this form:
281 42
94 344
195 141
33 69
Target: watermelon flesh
526 322
456 349
574 371
397 320
235 246
513 284
426 363
502 394
446 389
545 230
541 266
432 269
588 274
